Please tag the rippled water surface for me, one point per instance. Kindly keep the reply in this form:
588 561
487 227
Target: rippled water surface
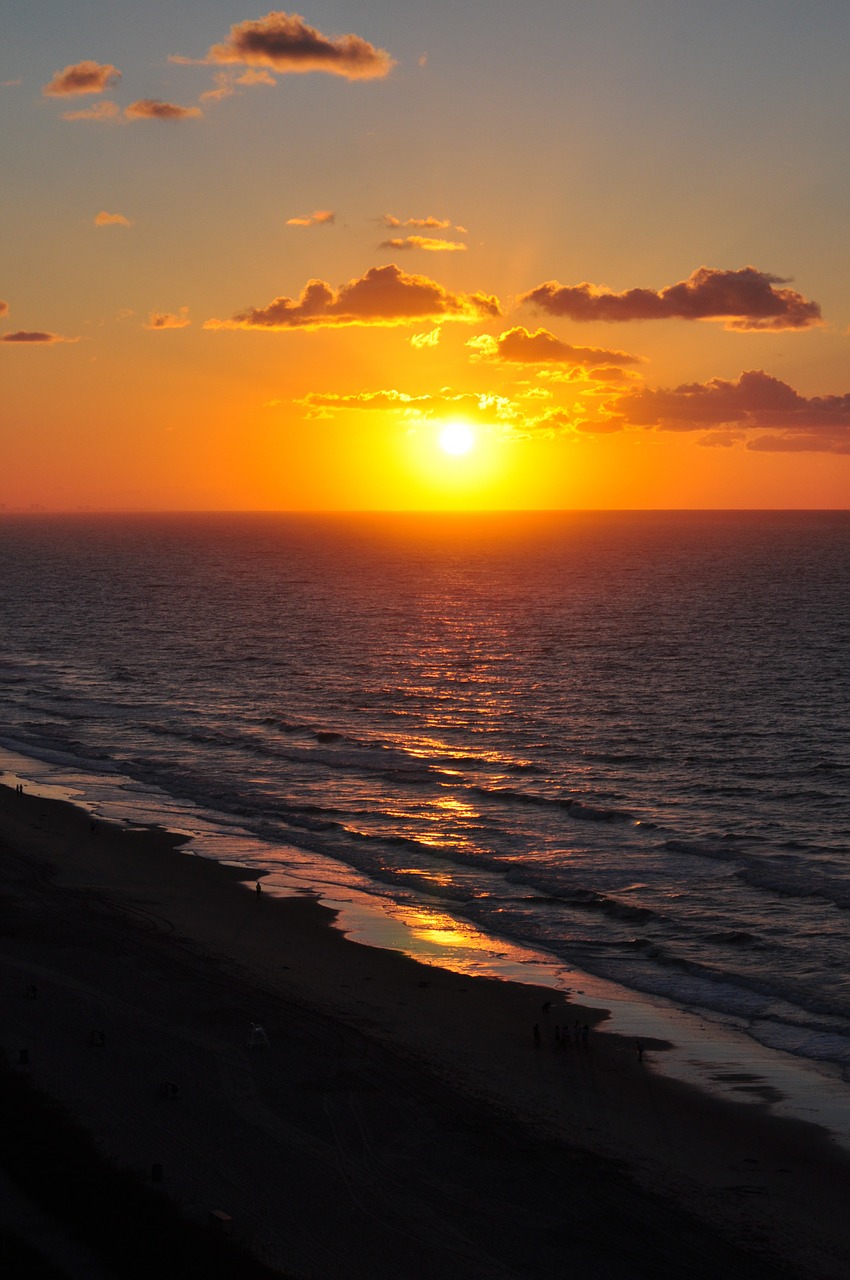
622 737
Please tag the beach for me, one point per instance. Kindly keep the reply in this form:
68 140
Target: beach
347 1110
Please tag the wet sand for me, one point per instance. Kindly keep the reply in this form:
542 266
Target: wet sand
401 1118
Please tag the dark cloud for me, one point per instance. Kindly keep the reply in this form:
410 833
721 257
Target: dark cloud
802 442
154 109
286 43
82 77
755 401
384 296
168 319
33 336
542 347
747 300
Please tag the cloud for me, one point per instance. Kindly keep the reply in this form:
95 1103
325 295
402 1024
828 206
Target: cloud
225 87
754 401
722 439
542 347
252 77
362 400
154 109
748 300
424 224
34 336
99 111
802 442
424 242
4 308
573 421
226 83
476 406
168 320
321 218
104 219
520 417
429 339
384 296
82 77
287 44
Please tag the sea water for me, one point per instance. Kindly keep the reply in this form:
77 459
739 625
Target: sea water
617 740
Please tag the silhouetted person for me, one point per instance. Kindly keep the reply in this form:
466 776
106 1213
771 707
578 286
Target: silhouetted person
259 889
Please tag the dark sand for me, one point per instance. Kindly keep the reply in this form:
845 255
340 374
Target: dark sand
401 1122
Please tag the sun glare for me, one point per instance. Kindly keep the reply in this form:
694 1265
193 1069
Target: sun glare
456 438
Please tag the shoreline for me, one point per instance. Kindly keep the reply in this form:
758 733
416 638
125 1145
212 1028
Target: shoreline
703 1050
750 1178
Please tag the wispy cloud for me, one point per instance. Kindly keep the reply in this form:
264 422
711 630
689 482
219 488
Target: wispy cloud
287 44
430 339
99 111
542 347
756 400
155 109
228 83
225 87
389 400
34 336
531 413
104 219
321 218
747 299
475 406
384 296
82 77
429 243
424 224
4 308
251 77
158 320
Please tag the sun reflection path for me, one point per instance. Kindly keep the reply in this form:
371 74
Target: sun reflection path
436 936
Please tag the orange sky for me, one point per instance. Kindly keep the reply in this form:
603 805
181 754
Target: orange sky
259 260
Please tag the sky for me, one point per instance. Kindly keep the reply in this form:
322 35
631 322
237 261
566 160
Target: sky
557 255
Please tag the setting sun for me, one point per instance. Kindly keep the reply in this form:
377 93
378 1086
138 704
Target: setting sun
456 438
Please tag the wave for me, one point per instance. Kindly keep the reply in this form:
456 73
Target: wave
580 810
734 938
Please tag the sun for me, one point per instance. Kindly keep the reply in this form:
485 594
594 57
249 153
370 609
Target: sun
456 438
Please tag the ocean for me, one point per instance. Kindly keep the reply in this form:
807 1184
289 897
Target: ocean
618 741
